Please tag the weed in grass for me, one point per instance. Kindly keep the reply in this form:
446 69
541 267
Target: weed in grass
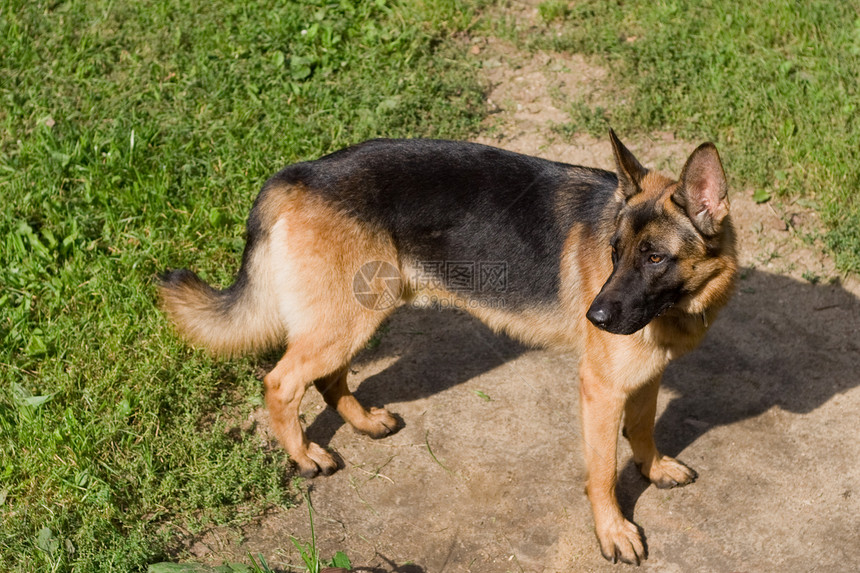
309 552
761 196
813 278
552 10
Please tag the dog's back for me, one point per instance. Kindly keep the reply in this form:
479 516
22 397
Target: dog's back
459 201
446 207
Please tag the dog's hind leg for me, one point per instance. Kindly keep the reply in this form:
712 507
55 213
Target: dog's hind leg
319 354
639 411
376 423
302 364
333 279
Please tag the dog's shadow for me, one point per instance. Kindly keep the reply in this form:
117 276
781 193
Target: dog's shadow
779 343
435 350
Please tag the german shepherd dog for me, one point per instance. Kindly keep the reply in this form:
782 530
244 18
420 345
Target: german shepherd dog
628 269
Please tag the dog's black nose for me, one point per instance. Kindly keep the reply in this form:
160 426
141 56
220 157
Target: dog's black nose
599 316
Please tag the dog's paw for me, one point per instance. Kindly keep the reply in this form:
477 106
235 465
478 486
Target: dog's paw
668 472
379 423
315 461
622 541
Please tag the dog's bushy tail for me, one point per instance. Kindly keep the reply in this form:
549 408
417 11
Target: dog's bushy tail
238 320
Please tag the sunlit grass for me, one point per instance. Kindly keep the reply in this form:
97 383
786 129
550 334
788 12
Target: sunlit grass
133 137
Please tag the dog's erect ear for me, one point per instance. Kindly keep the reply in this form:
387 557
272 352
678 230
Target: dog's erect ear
630 171
703 191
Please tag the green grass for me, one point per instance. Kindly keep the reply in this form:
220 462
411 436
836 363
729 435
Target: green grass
133 137
776 84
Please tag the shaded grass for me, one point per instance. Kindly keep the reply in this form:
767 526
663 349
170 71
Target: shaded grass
775 84
133 137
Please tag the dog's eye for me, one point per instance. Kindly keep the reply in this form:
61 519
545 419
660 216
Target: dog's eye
654 259
614 253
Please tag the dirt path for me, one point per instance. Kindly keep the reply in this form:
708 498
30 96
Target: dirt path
487 474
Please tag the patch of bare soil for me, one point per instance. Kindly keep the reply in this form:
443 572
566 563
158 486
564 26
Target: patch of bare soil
487 474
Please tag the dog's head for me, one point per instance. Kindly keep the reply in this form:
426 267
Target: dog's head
673 244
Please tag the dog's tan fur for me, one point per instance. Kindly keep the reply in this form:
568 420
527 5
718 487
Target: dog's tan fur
620 375
299 293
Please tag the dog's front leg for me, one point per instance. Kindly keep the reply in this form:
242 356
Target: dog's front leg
662 471
602 402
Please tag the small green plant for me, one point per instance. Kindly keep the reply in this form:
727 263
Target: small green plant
483 395
553 10
261 567
813 278
761 196
310 553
